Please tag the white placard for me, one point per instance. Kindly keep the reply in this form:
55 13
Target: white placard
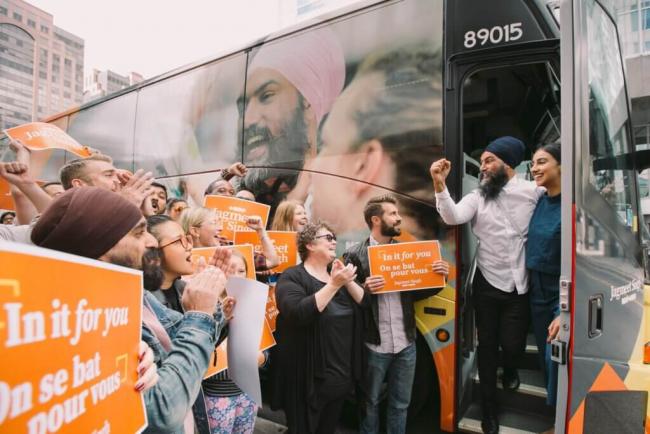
245 333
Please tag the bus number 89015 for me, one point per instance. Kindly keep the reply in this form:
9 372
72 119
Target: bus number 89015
495 35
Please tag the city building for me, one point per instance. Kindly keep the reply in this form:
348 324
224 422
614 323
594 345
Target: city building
101 83
634 26
41 65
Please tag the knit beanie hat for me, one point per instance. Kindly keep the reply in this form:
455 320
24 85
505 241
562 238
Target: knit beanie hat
509 149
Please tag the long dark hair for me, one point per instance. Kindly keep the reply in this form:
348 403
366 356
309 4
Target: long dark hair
553 149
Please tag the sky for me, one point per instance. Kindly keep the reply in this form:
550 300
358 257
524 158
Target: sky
153 37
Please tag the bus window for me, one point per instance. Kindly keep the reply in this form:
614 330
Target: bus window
315 99
108 127
189 124
608 116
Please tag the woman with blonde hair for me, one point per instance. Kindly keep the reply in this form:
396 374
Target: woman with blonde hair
203 225
290 215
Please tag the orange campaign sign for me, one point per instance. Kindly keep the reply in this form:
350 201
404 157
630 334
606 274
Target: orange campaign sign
69 332
234 212
219 359
272 308
6 200
39 136
246 250
406 266
284 242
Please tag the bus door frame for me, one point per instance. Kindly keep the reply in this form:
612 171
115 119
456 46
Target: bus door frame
575 139
458 68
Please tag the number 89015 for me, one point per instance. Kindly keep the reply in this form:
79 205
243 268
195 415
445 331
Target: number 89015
495 35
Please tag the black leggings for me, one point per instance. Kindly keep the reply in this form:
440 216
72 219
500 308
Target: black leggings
328 405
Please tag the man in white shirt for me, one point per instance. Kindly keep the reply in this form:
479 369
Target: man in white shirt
499 212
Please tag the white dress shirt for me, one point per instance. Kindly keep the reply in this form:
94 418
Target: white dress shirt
392 335
502 238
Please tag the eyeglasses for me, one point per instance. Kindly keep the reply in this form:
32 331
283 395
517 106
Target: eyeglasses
185 241
328 237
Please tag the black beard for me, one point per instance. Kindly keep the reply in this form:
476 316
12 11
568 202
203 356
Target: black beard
152 273
287 149
389 231
493 184
124 261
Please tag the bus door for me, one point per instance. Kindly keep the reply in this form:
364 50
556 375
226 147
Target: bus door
504 93
502 78
603 384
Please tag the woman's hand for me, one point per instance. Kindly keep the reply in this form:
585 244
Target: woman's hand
221 259
342 274
203 290
553 329
228 306
147 369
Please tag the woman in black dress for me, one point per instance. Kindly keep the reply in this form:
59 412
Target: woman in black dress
319 343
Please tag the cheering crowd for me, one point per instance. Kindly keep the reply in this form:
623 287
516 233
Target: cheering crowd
334 332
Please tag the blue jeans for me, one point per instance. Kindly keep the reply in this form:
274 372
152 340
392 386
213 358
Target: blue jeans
544 308
399 369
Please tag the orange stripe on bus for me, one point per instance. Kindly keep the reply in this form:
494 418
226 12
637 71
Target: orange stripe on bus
445 361
607 379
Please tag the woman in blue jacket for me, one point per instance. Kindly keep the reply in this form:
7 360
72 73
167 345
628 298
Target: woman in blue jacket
543 259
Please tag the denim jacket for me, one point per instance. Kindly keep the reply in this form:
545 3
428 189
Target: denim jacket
194 336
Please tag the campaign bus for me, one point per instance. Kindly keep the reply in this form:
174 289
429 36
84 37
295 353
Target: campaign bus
360 102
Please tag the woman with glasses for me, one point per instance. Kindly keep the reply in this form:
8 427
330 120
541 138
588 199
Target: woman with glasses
204 227
317 358
228 409
175 249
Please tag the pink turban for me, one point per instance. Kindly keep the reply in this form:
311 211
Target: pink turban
313 62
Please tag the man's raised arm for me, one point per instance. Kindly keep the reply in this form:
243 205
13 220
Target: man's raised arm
451 213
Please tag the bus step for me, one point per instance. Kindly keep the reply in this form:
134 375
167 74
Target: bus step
532 382
511 421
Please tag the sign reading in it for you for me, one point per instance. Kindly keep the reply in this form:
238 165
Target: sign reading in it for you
69 335
406 266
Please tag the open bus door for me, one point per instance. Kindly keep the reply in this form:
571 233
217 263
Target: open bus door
494 90
603 384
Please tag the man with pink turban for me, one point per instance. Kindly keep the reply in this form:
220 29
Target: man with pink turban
291 86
